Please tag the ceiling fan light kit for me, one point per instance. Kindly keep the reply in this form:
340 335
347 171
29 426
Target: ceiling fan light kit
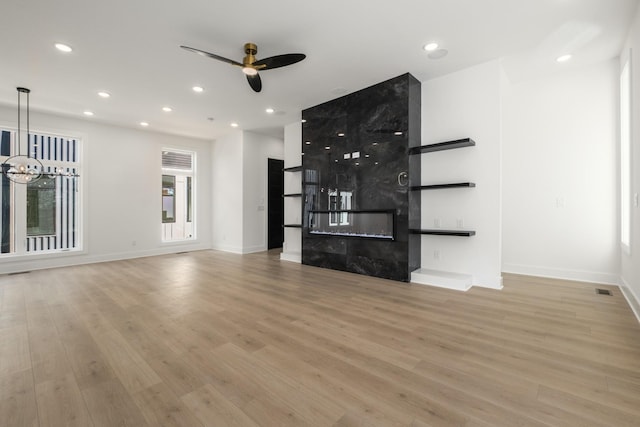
250 65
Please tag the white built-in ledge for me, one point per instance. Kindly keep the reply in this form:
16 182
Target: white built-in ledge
442 279
291 256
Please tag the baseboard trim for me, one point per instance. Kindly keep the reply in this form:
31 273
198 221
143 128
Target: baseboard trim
83 259
254 249
488 282
564 274
291 257
631 297
442 279
225 248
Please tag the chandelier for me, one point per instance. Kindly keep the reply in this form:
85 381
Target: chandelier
22 169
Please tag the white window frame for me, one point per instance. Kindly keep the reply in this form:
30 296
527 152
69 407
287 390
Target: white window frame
184 173
19 192
625 154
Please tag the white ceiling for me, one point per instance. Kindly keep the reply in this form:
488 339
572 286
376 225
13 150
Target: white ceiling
130 48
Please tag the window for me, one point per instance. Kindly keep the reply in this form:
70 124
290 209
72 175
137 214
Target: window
178 195
168 198
333 206
339 201
42 216
345 204
625 156
41 207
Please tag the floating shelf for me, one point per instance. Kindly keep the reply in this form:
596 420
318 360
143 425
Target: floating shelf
292 225
448 145
293 169
292 195
440 186
441 232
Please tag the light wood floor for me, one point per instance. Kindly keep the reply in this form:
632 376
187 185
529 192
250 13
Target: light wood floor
216 339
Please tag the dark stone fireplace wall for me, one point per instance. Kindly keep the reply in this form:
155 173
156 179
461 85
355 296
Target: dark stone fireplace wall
379 124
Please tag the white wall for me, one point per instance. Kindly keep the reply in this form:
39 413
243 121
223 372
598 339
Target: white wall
560 175
460 105
121 184
631 262
226 192
257 150
239 191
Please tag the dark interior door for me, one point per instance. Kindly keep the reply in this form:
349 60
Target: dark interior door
275 216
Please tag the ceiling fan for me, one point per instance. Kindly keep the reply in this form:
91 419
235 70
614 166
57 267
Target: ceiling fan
250 65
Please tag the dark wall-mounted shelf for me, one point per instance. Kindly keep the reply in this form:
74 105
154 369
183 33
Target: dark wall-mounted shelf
448 145
292 225
292 195
293 169
440 232
441 186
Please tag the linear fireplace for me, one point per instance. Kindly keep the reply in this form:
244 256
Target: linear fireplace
371 224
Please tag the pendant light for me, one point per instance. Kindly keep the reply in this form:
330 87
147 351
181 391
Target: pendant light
22 169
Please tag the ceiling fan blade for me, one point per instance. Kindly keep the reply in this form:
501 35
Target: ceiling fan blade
255 82
279 61
211 55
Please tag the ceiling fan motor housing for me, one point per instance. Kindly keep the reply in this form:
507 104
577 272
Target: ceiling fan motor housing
250 50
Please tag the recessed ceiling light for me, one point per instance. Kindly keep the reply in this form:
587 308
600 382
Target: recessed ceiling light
103 94
398 133
376 163
366 155
564 58
144 124
198 89
167 109
270 110
375 143
88 113
430 47
303 121
341 134
63 47
234 125
308 142
327 148
357 163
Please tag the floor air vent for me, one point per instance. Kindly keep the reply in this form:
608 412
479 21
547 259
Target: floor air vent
603 292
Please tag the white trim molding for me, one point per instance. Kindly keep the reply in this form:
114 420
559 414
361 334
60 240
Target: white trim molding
565 274
632 299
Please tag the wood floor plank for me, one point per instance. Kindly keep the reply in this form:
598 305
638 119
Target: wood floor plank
162 408
178 373
313 408
15 355
110 404
212 338
83 354
213 409
60 403
597 411
18 400
130 367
